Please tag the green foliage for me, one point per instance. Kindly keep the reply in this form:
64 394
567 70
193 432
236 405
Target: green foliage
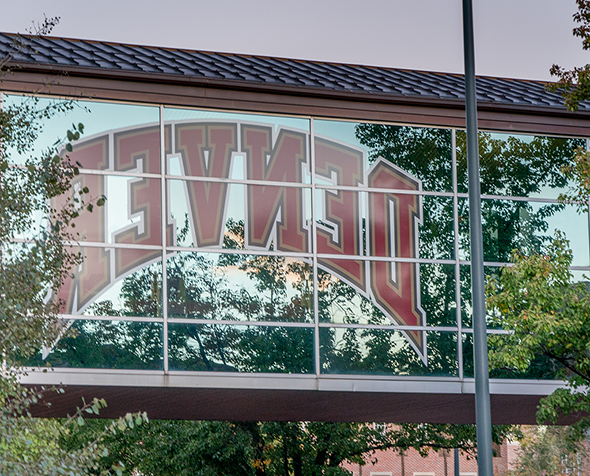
579 175
32 446
546 451
269 448
547 314
574 84
35 262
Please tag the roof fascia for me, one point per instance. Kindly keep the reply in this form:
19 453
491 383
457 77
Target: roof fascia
280 99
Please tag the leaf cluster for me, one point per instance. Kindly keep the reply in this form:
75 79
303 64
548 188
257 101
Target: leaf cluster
547 451
34 446
574 85
546 313
273 448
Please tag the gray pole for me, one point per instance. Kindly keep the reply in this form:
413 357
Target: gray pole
480 345
457 472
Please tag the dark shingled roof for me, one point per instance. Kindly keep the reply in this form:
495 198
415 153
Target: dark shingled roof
73 54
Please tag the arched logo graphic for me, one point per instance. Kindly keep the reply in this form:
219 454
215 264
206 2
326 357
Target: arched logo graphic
276 169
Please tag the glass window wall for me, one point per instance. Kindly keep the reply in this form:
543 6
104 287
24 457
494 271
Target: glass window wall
247 243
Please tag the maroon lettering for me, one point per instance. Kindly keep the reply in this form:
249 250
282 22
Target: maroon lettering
281 163
139 150
93 275
206 151
342 211
394 220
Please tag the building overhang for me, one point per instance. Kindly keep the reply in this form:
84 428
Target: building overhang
222 396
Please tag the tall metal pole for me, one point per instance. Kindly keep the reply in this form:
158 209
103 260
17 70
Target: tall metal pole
457 472
480 344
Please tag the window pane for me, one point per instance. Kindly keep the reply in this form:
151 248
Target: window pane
239 287
107 345
425 153
131 213
518 165
341 298
115 282
385 352
205 144
236 216
224 348
541 368
388 221
133 130
527 227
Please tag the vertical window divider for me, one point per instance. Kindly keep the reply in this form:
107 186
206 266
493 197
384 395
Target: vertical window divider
163 226
2 257
316 318
588 204
457 265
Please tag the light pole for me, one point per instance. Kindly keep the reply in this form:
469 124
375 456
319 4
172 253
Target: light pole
483 418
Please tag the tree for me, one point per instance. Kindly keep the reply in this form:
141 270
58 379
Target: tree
545 451
574 84
548 314
35 261
509 165
271 448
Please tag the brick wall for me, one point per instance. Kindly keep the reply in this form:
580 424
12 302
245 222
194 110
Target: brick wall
389 463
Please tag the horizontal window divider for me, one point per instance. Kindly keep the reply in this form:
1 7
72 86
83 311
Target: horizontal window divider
252 375
86 317
417 378
78 99
231 251
262 183
114 173
520 199
171 107
307 185
417 125
307 255
495 264
125 246
118 173
95 244
392 327
469 330
392 259
212 322
492 264
397 191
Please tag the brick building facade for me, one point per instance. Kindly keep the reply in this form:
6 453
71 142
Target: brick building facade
436 463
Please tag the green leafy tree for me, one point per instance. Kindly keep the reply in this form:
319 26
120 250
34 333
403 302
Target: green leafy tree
35 262
548 314
546 451
574 84
271 448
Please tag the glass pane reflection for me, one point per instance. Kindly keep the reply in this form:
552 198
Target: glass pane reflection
138 128
229 348
115 282
344 302
425 153
107 345
239 287
526 226
518 165
541 368
385 352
